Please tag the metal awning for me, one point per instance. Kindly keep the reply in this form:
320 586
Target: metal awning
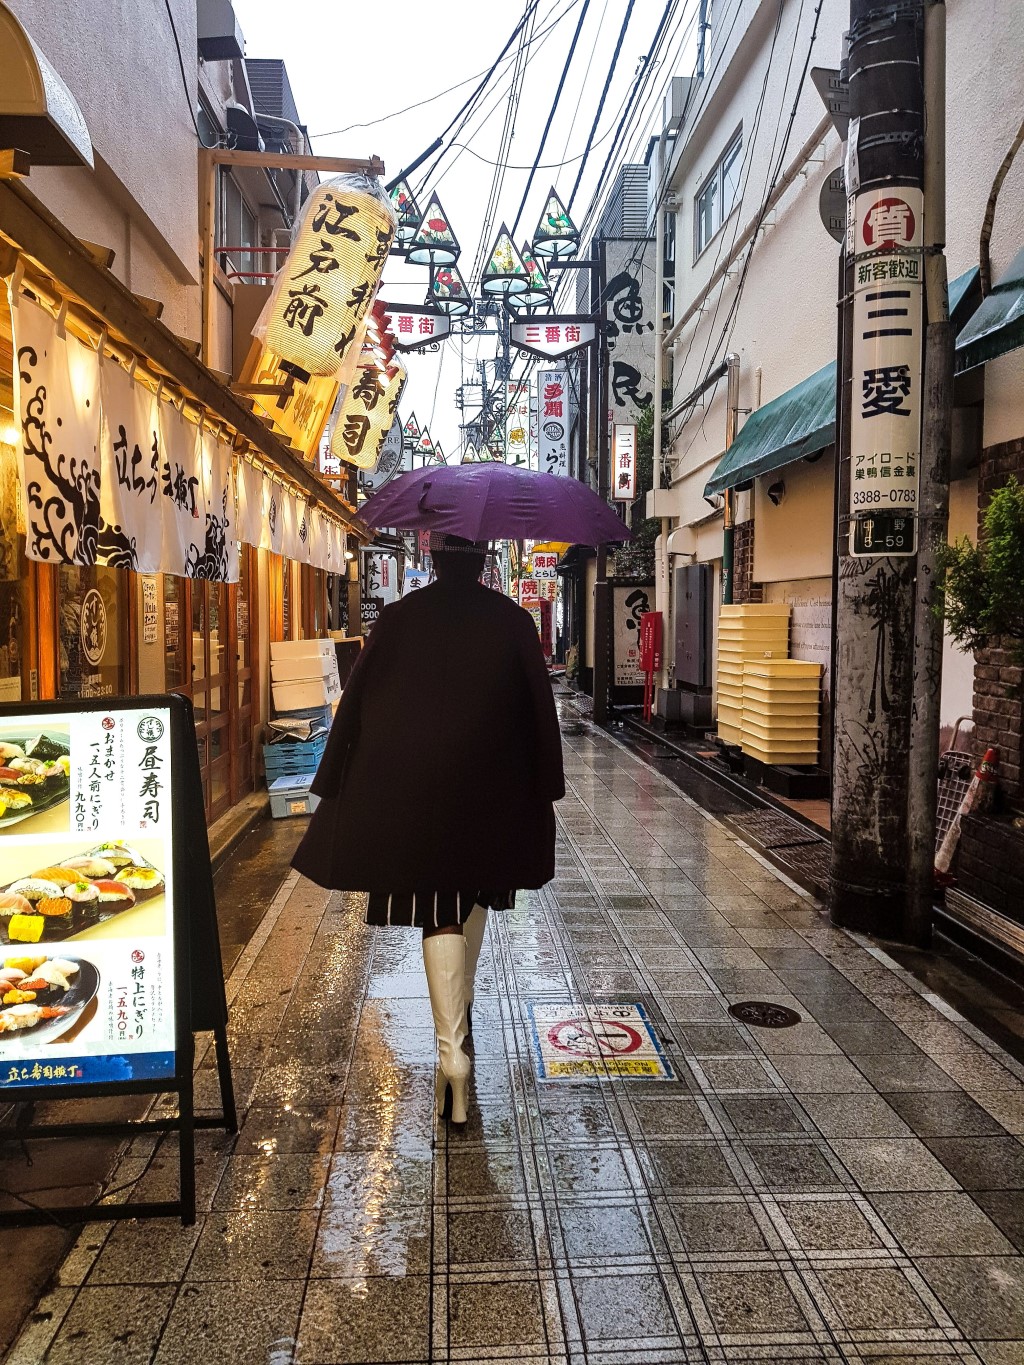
802 421
998 324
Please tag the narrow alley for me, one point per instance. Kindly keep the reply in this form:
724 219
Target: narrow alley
844 1189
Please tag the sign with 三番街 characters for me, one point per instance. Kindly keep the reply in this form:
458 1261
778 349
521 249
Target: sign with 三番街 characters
553 337
87 921
623 462
414 326
885 416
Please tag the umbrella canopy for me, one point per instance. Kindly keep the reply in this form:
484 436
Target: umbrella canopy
495 501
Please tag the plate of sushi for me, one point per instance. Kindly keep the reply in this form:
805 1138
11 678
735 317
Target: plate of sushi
42 996
84 889
35 775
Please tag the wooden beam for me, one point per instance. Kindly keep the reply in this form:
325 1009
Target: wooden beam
55 252
293 161
151 307
103 256
271 390
14 163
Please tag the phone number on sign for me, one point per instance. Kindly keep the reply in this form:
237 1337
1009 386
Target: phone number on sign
866 496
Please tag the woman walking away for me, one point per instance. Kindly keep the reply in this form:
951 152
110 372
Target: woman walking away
437 783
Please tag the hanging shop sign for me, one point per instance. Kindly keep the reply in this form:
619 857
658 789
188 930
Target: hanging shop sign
623 461
545 562
517 423
529 592
416 327
301 412
885 418
328 282
110 956
553 337
389 461
553 419
414 580
367 413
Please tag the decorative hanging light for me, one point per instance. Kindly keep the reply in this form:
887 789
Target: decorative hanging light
367 414
538 291
328 282
504 272
434 242
557 237
470 454
448 292
407 211
411 430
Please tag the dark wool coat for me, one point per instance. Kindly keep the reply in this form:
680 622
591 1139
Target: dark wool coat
445 754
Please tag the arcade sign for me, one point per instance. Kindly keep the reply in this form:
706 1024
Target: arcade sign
551 337
415 327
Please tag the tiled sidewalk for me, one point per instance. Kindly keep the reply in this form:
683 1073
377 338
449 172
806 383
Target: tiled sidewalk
849 1189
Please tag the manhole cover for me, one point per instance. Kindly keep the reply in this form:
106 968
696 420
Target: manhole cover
763 1014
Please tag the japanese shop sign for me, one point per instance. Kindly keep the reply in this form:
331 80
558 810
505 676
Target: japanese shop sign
629 605
414 326
553 337
623 462
517 423
529 592
545 563
88 959
553 420
885 421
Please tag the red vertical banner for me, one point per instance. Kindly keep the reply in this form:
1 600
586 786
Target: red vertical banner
546 629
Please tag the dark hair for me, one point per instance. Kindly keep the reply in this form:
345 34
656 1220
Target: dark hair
459 565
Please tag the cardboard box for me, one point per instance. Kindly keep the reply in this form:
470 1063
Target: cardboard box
302 649
298 670
291 696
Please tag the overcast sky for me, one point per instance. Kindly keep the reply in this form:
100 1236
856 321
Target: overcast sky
354 67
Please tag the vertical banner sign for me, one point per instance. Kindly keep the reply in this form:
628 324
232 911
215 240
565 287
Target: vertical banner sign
517 424
623 462
629 606
529 593
545 563
88 954
552 419
885 422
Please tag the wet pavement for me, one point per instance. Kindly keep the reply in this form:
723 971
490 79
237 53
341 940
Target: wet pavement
847 1189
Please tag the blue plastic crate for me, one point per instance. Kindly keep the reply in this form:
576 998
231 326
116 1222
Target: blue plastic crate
293 756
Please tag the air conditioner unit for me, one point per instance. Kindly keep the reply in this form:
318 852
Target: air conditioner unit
676 98
217 29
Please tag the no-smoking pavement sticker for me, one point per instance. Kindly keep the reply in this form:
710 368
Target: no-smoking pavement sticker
595 1042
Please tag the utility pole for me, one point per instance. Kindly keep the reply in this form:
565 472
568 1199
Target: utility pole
878 468
732 401
602 588
933 514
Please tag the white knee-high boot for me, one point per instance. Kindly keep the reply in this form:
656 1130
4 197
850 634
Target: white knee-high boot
473 930
444 958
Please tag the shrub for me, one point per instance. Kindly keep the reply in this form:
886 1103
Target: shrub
983 585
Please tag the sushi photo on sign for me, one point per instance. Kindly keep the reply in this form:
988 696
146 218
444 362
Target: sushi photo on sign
72 889
35 776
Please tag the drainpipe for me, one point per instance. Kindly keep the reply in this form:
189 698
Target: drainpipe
298 146
732 399
662 575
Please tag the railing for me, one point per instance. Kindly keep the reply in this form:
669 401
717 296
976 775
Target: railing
224 252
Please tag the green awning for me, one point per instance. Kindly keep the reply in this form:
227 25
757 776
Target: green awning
802 421
998 324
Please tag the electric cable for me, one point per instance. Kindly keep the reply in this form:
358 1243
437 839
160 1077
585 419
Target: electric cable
551 114
184 79
604 96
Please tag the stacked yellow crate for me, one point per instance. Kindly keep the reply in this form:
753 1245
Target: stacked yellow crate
749 632
781 711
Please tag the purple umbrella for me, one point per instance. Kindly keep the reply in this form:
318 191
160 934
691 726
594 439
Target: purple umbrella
495 501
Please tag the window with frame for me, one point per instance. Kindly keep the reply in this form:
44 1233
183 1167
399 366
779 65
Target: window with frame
718 196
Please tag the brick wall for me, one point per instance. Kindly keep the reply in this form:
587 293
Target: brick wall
998 681
744 588
990 864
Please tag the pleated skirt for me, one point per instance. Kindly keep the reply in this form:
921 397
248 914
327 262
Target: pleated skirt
432 909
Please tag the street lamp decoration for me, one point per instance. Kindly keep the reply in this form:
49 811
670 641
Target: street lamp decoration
448 291
330 277
367 413
407 211
538 290
425 446
557 237
504 272
434 243
411 430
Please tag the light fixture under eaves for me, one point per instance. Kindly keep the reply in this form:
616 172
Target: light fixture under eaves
38 113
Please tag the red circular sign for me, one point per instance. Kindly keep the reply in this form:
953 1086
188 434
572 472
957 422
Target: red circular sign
594 1037
889 223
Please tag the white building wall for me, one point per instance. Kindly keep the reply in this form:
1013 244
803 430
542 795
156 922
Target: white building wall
783 322
119 60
